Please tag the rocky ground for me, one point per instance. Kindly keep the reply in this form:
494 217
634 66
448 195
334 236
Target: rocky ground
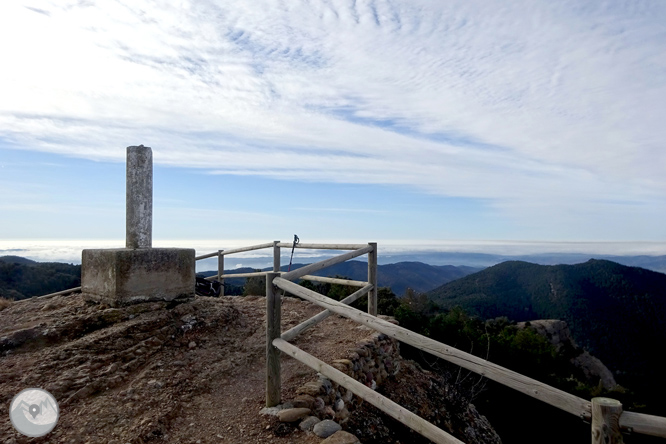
181 372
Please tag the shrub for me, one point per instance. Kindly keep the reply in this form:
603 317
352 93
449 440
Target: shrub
5 303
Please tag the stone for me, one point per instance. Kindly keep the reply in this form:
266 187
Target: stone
304 401
341 437
340 367
123 276
326 428
308 423
270 411
293 415
346 362
342 415
310 388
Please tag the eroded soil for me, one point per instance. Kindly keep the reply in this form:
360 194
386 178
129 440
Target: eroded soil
190 372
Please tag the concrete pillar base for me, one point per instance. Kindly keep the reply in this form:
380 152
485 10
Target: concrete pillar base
125 276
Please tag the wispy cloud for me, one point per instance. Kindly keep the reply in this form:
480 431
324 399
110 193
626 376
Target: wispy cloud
549 105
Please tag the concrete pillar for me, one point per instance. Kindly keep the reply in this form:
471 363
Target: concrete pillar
139 198
138 273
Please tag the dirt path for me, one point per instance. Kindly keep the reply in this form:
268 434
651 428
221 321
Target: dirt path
190 372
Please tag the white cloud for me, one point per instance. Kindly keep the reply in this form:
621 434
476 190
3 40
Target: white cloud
529 104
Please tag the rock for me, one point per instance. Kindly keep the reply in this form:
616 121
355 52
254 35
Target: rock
342 416
293 415
192 344
155 384
346 362
325 383
340 367
311 388
341 437
304 401
593 368
308 423
269 411
326 428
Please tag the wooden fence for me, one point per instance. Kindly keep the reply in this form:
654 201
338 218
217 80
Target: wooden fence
303 273
607 419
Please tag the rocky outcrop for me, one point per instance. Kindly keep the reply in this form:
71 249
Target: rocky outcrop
558 334
556 331
593 368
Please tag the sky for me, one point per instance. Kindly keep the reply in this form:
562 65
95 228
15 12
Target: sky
425 123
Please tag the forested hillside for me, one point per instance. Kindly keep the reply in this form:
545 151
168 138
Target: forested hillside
21 278
614 311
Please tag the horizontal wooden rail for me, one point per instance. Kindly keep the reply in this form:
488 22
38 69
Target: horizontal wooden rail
243 275
642 423
235 250
206 256
299 272
329 280
394 410
316 319
50 295
550 395
250 248
323 246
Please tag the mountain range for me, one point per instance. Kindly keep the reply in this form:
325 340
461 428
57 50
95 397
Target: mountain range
418 276
21 278
483 260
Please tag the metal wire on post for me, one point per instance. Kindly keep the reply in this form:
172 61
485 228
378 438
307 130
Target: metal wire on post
293 246
296 241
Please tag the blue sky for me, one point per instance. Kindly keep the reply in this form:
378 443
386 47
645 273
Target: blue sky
390 121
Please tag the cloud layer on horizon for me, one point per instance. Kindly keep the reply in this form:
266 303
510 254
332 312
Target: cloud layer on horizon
544 110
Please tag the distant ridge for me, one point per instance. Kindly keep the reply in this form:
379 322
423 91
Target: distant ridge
483 260
415 275
17 260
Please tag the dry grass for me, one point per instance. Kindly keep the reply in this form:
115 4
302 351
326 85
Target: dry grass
5 303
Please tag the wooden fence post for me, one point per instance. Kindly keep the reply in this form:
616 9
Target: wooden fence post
220 270
273 331
606 414
372 279
276 256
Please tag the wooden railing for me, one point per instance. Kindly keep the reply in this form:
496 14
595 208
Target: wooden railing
303 273
50 295
607 419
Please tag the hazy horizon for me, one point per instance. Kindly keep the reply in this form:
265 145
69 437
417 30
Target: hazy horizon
69 251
